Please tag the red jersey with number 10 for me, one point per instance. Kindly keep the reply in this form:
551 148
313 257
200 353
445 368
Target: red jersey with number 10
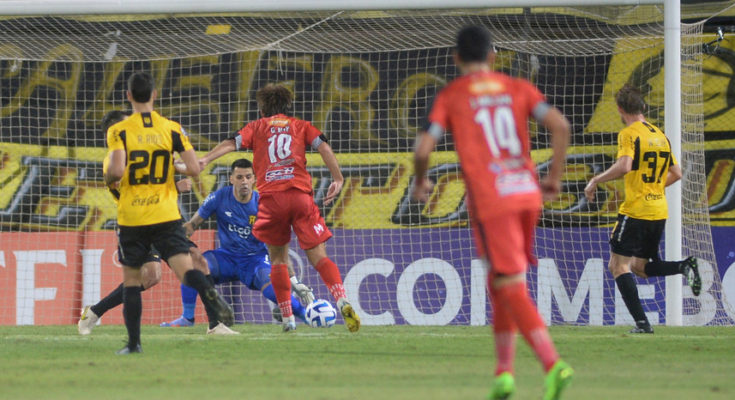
279 152
487 113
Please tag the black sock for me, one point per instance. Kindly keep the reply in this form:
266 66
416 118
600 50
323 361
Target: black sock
132 310
197 280
112 300
663 268
629 291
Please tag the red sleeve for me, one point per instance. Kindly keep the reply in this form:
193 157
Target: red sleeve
310 132
246 134
439 113
531 94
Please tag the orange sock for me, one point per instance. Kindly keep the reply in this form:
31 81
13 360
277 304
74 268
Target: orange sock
329 273
282 287
504 330
526 317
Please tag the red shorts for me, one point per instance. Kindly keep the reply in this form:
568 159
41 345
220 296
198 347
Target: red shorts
279 211
507 241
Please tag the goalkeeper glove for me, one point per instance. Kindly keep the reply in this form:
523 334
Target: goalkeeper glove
303 292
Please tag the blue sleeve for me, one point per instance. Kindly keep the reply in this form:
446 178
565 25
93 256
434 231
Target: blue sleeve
209 206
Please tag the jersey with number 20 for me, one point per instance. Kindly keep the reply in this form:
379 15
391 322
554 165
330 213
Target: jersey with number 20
487 114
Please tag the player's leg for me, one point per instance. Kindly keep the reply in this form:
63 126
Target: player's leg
509 260
331 277
174 248
189 294
504 331
151 275
312 232
628 241
132 308
281 284
644 268
256 276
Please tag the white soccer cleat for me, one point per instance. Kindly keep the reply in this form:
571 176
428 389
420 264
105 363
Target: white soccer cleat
221 329
289 324
87 321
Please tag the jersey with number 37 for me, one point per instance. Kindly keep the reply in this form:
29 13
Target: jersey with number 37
487 114
279 145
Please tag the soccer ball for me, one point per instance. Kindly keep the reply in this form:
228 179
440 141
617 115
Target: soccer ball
320 314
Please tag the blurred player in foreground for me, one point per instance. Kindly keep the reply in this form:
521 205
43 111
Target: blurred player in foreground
487 113
279 145
141 149
648 165
241 256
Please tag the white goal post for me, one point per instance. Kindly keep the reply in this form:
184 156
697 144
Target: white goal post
377 84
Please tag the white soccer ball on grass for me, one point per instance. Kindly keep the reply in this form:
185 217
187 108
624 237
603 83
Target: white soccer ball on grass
320 314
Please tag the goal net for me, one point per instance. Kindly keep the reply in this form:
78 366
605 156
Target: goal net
365 78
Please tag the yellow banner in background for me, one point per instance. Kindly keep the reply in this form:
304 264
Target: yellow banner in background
62 189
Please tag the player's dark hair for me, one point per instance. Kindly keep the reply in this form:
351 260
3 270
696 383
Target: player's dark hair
274 99
241 163
474 44
111 118
630 100
141 86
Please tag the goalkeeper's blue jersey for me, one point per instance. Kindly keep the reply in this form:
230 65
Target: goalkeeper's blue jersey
234 221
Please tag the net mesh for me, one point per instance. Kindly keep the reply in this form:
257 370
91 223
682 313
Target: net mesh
365 79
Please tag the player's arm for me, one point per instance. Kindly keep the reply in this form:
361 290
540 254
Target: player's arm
422 187
189 158
621 167
226 146
674 174
325 150
560 130
193 224
116 168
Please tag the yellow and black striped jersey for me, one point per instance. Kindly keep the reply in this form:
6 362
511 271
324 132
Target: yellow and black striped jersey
645 197
147 190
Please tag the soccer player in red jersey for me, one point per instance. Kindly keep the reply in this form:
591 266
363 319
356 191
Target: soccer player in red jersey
487 113
278 142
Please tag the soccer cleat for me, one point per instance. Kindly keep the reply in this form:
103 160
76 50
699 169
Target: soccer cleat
178 323
221 329
127 350
87 321
691 272
642 327
224 311
503 387
350 316
557 379
289 324
276 313
304 293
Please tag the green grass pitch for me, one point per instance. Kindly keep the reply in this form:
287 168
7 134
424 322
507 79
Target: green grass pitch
378 363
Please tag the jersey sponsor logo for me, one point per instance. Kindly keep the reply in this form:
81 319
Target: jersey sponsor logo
242 231
279 174
653 197
145 201
510 183
486 86
279 122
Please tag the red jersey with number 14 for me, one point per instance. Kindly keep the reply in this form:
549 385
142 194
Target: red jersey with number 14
487 113
279 151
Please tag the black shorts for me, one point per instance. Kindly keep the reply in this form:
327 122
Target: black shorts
632 237
136 243
153 255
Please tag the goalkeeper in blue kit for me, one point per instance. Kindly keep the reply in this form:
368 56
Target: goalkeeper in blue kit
240 257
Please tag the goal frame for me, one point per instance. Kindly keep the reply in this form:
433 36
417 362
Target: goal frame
672 63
